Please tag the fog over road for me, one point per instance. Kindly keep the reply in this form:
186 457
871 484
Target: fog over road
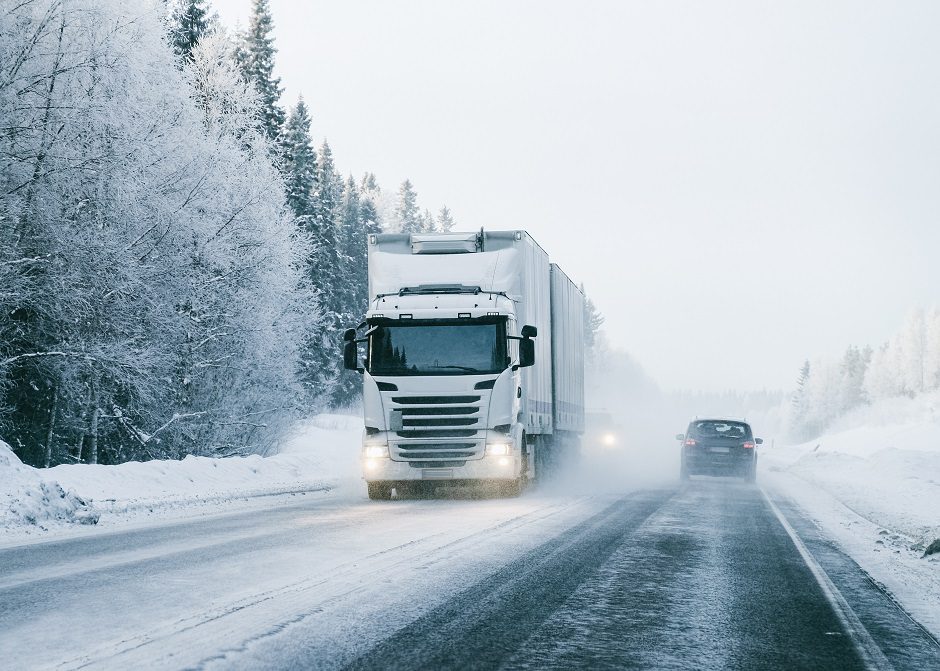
707 574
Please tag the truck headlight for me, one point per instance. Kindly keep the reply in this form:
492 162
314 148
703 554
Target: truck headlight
498 449
375 451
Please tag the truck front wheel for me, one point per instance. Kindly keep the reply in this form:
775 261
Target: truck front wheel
379 491
514 488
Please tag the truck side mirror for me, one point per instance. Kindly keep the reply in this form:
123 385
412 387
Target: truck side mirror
349 335
526 352
529 331
350 354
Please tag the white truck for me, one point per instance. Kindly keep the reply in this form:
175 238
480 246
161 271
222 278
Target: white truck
474 363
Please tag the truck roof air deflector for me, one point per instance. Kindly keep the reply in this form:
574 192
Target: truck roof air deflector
447 243
439 289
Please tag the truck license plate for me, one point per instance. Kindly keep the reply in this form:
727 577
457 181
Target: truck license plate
437 473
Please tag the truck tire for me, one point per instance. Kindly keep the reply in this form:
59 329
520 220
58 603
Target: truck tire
379 491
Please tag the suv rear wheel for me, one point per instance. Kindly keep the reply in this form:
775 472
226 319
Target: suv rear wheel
750 475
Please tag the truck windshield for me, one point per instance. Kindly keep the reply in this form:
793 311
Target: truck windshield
438 347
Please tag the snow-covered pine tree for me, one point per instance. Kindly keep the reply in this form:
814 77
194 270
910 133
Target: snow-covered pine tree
300 162
882 379
256 59
428 225
912 352
189 22
445 220
852 383
932 362
321 361
351 277
406 210
593 320
799 403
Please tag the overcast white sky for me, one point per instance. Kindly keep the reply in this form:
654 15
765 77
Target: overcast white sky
739 185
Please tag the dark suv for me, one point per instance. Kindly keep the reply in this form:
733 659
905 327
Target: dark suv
719 447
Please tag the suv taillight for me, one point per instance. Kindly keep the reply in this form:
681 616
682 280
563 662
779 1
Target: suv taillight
690 442
748 445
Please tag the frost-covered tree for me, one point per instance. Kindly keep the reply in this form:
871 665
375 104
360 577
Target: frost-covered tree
932 349
427 223
255 55
153 288
445 220
852 378
908 363
882 379
799 400
407 214
912 353
593 320
190 21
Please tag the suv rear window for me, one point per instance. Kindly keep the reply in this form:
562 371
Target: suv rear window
719 429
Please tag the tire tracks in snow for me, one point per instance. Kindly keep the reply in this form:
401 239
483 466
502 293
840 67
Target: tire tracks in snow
183 642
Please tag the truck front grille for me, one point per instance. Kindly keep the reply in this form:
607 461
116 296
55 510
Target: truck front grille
421 423
434 400
438 433
437 450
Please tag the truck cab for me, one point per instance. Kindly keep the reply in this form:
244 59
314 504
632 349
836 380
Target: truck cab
450 363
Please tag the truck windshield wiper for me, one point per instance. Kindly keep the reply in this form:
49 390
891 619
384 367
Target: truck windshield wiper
466 368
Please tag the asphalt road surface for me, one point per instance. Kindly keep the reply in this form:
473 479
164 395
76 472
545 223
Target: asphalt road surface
712 574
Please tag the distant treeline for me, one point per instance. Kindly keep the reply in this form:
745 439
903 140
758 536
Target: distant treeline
907 365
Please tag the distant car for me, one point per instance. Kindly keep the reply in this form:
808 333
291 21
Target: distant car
719 447
602 435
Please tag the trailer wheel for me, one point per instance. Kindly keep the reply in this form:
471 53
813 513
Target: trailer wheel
379 491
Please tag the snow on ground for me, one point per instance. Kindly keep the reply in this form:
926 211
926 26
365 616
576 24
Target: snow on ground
320 454
873 483
27 499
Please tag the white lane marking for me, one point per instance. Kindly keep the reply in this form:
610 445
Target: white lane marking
864 644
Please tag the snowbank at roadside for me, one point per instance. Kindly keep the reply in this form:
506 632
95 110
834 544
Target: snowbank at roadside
873 483
27 499
321 452
882 462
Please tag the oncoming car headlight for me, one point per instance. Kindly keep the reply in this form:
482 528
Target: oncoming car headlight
500 449
609 439
375 451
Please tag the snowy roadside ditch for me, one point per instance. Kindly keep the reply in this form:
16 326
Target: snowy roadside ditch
873 483
40 503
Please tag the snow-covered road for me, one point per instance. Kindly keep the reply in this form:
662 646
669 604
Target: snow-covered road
664 578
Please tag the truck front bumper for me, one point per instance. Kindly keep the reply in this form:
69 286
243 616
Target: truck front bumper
488 468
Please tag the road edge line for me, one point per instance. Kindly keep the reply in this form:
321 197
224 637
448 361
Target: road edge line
864 644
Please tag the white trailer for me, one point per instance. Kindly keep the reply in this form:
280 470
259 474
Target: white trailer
473 366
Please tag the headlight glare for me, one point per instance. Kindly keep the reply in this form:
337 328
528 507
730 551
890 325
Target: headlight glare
375 451
498 449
